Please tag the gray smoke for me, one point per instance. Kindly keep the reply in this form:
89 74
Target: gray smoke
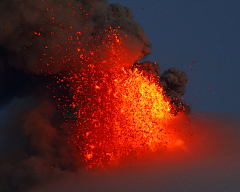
39 41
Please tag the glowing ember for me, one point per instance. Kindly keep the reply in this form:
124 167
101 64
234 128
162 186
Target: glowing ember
118 114
118 111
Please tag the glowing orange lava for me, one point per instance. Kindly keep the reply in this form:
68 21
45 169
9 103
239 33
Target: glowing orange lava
119 112
118 115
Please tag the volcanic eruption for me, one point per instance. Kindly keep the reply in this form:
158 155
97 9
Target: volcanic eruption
75 91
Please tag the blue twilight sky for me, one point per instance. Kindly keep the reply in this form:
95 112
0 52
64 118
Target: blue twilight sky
202 38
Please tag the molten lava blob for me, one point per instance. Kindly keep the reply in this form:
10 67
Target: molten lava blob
119 114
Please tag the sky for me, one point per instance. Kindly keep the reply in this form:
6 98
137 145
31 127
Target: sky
200 38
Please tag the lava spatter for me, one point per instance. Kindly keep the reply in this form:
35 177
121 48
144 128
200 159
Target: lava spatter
118 114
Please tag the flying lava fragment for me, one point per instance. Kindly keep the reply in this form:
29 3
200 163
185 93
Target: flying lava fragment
117 112
126 113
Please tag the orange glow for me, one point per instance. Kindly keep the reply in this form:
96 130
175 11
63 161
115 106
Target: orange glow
119 111
119 114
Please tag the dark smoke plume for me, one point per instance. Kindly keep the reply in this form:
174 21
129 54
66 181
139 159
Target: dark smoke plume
39 41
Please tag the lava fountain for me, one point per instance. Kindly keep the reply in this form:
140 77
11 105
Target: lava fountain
118 113
83 99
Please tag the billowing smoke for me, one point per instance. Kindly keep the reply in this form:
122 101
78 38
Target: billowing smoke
48 36
42 42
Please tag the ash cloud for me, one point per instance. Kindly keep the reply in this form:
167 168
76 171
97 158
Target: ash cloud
32 150
44 36
39 41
